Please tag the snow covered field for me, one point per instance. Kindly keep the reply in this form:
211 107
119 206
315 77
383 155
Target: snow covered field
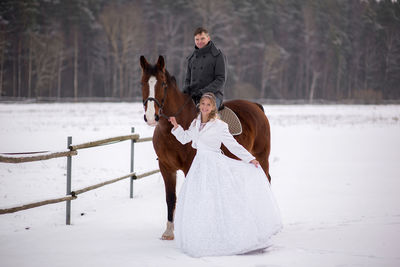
335 173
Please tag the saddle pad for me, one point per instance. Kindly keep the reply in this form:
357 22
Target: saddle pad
228 116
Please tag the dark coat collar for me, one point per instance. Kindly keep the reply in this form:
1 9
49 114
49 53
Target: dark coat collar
210 47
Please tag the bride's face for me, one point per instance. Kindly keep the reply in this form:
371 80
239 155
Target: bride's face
205 106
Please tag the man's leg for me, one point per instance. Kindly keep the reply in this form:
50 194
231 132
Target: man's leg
218 102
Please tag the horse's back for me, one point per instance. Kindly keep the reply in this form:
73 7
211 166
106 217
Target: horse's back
248 112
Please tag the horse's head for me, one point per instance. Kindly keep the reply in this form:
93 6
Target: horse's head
154 85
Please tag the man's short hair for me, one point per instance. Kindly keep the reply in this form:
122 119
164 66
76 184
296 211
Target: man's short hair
200 30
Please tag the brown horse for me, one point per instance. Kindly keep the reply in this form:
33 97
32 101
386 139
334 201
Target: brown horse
162 99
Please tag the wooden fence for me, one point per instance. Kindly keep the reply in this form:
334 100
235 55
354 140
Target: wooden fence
73 151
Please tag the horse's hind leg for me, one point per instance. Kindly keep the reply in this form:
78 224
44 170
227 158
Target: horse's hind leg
170 194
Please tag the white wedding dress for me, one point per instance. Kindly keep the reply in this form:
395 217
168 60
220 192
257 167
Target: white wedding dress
225 206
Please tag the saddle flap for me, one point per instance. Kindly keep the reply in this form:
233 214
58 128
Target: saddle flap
227 115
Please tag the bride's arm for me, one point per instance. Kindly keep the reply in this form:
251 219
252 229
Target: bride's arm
234 147
180 134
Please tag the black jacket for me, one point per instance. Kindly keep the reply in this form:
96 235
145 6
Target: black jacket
206 72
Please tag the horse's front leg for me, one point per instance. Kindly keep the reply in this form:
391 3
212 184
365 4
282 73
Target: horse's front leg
169 177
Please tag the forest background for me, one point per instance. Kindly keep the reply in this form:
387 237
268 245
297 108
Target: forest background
345 51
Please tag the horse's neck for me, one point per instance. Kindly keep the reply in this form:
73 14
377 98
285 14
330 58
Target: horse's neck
179 105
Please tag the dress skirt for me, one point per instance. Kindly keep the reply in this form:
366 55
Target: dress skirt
225 207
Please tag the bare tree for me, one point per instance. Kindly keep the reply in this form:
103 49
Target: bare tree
215 16
60 67
311 58
45 51
76 54
3 43
30 47
122 27
272 65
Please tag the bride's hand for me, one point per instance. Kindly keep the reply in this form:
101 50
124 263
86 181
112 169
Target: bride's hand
255 162
172 120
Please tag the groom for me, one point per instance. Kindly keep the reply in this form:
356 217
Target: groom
206 69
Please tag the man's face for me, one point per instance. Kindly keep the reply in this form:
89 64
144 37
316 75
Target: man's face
201 40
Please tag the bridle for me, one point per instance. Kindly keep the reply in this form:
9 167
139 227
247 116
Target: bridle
161 106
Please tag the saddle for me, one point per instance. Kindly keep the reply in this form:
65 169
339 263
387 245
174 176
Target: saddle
227 115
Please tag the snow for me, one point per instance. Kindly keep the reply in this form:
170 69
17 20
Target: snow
335 174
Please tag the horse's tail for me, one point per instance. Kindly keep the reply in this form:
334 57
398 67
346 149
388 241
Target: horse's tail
260 106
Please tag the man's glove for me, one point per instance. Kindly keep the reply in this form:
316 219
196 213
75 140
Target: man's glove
196 96
186 90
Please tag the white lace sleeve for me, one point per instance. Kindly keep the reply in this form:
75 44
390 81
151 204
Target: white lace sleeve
233 146
182 135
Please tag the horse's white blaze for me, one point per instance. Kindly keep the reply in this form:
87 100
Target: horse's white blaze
151 111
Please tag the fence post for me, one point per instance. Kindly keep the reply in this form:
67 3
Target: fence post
69 169
132 161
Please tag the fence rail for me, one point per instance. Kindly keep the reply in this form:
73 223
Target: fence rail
36 204
71 195
106 141
38 156
144 139
92 187
75 193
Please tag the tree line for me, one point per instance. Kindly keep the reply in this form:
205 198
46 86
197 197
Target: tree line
336 50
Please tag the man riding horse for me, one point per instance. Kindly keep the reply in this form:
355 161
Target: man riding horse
206 70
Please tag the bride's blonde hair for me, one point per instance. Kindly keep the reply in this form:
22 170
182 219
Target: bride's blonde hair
214 112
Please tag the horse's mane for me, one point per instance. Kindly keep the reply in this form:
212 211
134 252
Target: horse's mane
260 106
170 79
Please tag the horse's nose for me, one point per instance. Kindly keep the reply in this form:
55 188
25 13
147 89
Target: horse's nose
157 117
145 119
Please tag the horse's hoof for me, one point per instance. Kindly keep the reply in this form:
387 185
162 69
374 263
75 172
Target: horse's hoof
169 232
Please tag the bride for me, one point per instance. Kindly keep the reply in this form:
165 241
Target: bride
225 206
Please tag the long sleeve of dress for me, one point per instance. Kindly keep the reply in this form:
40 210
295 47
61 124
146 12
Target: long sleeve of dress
182 135
234 147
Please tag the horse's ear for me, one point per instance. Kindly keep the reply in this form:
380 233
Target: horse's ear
143 62
161 63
